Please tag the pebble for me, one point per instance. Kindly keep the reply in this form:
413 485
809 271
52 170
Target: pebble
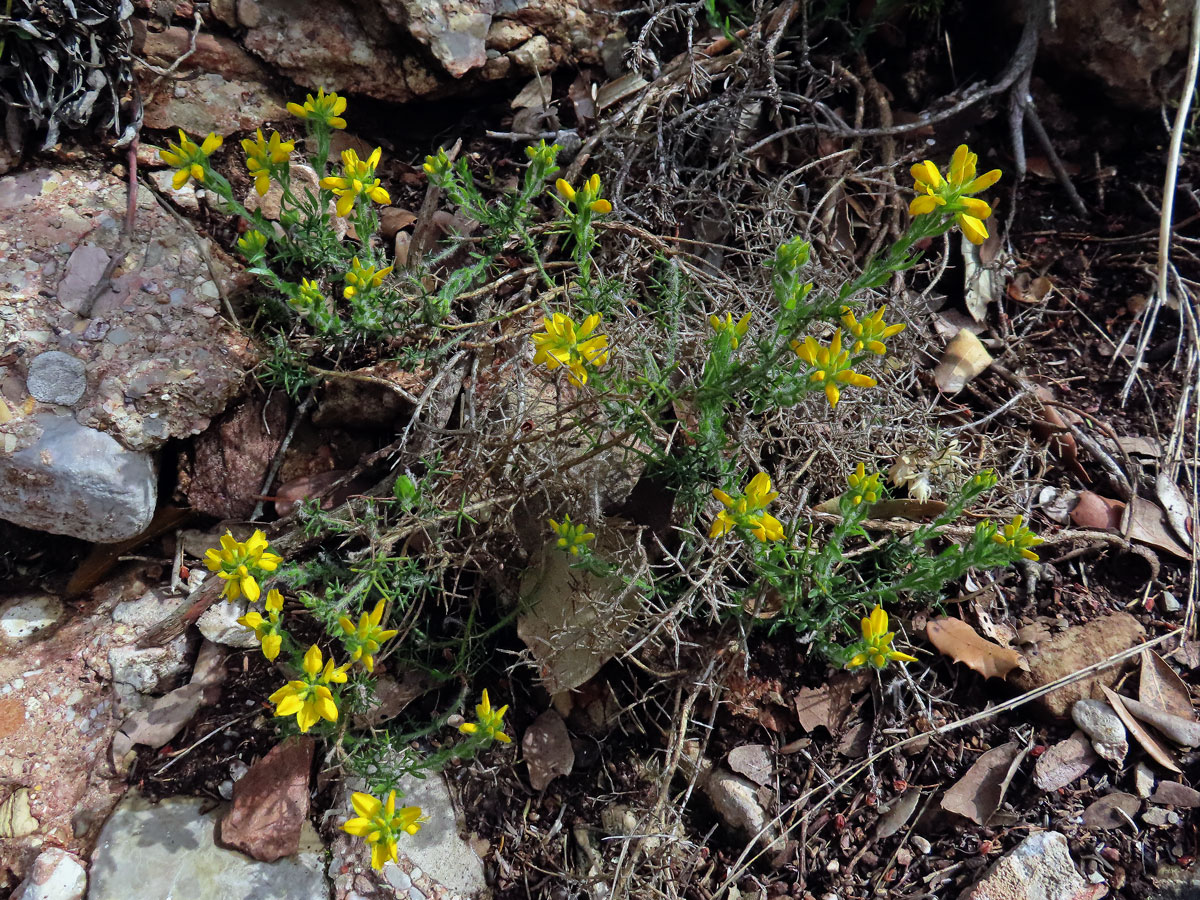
1143 780
57 377
923 846
1100 722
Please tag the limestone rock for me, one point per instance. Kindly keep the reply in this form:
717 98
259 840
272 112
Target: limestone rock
71 479
56 875
1039 868
25 617
148 851
1100 722
219 623
57 377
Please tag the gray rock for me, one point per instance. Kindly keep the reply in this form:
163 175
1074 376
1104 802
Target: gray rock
57 377
437 850
454 30
1157 817
164 851
56 875
219 623
85 267
25 617
1039 868
149 670
78 481
533 56
1143 780
735 800
1100 722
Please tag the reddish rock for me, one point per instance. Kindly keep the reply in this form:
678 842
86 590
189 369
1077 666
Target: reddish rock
270 803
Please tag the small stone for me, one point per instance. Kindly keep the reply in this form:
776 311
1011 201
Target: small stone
1143 780
1101 723
1156 816
505 35
547 748
753 761
56 875
923 846
249 13
85 267
1039 868
904 857
1175 794
1064 763
397 877
1171 602
26 617
16 815
533 56
735 800
219 623
57 377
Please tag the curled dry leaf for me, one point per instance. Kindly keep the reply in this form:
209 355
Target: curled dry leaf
1113 811
1149 742
898 814
1148 525
1052 428
1094 511
979 793
1175 504
830 704
959 641
964 358
1160 687
1180 730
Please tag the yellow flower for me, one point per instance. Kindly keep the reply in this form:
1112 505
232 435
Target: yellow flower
380 824
1018 538
357 179
864 488
871 332
831 366
263 156
324 108
363 642
189 159
241 563
361 278
253 245
726 326
489 722
267 630
876 643
587 198
949 195
437 165
562 344
747 511
571 535
309 699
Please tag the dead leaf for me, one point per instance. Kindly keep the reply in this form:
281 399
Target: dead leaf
546 745
1026 289
1182 731
1148 525
829 705
1176 794
853 744
959 641
580 95
979 793
1094 511
964 358
753 761
1175 504
1160 687
1139 445
983 283
1051 427
898 814
1064 763
1149 742
1107 811
619 88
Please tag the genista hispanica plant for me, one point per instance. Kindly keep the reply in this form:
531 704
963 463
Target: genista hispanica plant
670 401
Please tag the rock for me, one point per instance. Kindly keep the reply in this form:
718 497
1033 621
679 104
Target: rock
455 31
71 479
1123 48
56 377
56 875
1175 794
921 844
575 621
1074 649
149 670
1158 817
753 761
25 617
735 799
213 53
1143 780
1100 722
356 404
270 802
436 861
164 718
533 56
212 103
1039 868
16 815
546 746
229 461
210 671
504 35
303 177
155 369
1064 763
248 13
149 850
219 623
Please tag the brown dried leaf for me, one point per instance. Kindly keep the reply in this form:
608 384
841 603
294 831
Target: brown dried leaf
1180 730
547 748
959 641
1064 763
1107 811
1160 687
898 814
1149 743
828 706
979 793
964 358
1148 525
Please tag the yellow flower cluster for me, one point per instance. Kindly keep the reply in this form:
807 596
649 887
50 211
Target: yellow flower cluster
950 195
364 640
571 535
831 366
1018 538
570 346
864 488
188 159
876 643
309 698
587 199
269 630
871 332
357 180
747 511
489 722
380 824
264 157
726 326
324 109
241 563
361 278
